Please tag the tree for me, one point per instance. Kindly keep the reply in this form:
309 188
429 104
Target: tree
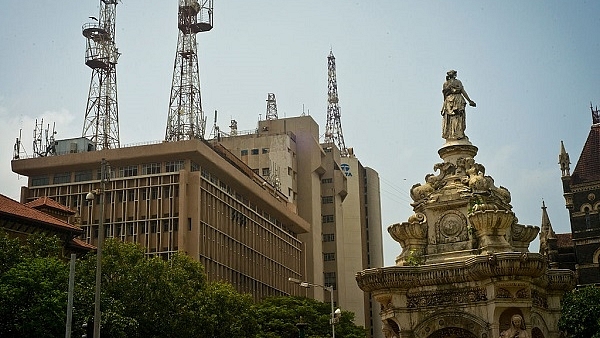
140 296
580 314
33 288
278 316
223 312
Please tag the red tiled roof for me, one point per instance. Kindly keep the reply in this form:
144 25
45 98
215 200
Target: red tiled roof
10 207
76 242
50 203
588 165
564 240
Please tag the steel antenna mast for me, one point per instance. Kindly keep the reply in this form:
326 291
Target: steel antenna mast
333 128
101 123
186 119
271 107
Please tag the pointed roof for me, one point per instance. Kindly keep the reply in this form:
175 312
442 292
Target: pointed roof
49 203
546 225
588 166
10 208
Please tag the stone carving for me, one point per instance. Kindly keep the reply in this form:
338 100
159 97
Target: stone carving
491 227
523 294
412 236
516 330
538 299
503 293
452 227
453 111
388 331
446 297
522 235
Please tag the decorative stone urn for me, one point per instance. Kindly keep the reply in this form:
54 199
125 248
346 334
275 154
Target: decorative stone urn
412 236
491 226
521 235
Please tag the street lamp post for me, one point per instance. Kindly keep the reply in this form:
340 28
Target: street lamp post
304 284
90 196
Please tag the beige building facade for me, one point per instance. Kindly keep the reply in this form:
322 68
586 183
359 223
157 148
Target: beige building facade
335 194
186 196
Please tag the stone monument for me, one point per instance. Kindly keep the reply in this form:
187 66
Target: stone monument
465 270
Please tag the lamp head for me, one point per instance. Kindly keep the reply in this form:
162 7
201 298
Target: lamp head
90 196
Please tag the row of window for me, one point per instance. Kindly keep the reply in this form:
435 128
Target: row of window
254 151
127 171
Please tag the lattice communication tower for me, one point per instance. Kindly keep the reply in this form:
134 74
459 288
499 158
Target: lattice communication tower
333 128
186 120
271 107
101 123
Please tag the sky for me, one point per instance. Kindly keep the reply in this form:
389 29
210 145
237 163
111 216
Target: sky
531 67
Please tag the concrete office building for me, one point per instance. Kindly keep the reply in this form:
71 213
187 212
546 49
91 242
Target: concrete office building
187 196
334 193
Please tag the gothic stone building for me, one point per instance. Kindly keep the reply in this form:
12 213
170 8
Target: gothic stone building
582 196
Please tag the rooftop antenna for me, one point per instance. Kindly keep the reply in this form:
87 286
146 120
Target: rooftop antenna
271 107
186 119
233 127
19 147
43 141
101 125
333 128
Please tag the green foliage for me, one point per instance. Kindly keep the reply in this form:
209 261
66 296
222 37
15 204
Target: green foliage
414 258
580 315
226 313
142 297
278 316
33 288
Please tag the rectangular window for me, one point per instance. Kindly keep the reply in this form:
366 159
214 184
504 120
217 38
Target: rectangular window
266 171
290 171
128 171
81 176
255 171
150 168
328 218
62 178
154 193
265 150
40 180
195 166
131 195
328 237
328 256
326 199
254 151
174 166
329 279
153 227
165 226
327 180
244 152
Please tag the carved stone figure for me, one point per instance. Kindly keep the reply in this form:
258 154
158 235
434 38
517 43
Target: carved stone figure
516 330
453 110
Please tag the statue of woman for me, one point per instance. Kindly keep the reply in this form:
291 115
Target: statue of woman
453 111
516 330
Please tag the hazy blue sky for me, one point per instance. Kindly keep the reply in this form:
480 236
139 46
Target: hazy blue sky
531 66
